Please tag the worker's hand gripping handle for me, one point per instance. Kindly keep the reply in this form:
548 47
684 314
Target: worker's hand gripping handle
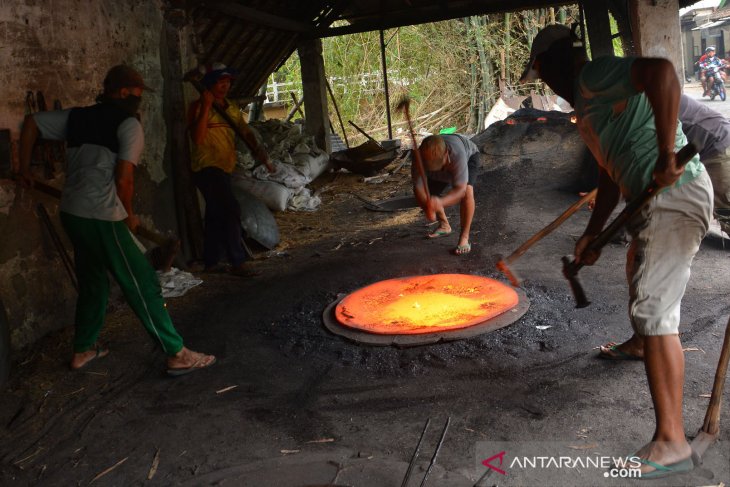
571 268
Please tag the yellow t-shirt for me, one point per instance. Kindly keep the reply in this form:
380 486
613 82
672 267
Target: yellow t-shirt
218 149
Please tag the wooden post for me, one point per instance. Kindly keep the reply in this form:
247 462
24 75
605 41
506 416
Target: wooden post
337 111
187 208
656 31
599 27
507 43
315 92
385 83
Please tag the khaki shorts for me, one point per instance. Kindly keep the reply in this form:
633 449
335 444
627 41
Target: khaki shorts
718 167
665 238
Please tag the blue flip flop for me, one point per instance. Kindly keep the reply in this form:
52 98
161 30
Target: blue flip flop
661 471
614 353
439 233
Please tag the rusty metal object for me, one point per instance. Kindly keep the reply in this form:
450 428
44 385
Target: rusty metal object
366 159
436 452
415 455
504 264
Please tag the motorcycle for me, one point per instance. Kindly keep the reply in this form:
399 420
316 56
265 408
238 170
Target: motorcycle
716 74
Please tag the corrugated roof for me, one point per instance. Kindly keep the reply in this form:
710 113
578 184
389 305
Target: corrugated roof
257 36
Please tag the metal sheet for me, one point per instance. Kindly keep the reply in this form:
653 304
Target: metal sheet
505 319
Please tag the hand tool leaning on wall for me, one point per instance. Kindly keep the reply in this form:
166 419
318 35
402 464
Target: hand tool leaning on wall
571 267
169 247
504 263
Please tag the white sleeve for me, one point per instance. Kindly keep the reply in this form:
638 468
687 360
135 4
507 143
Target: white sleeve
131 140
52 125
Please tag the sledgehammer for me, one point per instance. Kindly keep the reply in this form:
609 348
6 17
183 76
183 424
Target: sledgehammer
571 268
169 247
504 264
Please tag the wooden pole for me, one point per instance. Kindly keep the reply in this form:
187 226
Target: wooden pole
337 111
187 207
296 108
385 83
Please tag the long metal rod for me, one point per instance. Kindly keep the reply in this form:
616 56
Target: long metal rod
385 83
435 453
415 455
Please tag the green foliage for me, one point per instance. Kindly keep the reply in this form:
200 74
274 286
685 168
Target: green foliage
450 70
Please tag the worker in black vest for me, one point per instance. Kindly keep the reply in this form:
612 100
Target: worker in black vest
104 144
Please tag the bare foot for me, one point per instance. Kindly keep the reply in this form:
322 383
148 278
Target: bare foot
186 361
81 359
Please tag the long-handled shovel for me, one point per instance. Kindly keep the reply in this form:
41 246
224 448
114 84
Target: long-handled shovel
710 431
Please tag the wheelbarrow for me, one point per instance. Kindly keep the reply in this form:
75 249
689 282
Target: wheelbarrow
366 159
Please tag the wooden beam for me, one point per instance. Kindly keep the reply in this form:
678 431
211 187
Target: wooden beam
264 19
377 20
315 92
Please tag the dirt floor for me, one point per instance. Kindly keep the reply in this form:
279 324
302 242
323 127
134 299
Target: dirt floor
289 404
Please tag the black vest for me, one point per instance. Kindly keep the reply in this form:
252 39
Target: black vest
96 124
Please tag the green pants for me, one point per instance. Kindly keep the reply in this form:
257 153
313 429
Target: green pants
102 247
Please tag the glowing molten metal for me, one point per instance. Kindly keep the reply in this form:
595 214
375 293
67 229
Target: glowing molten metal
425 304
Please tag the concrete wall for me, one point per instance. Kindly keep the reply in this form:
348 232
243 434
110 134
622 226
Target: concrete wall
64 48
655 24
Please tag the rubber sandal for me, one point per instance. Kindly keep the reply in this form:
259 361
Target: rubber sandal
661 471
610 351
439 233
100 350
198 365
462 249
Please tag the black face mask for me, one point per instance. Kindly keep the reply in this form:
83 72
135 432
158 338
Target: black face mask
130 104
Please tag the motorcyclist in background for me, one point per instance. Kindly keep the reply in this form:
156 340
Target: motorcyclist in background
710 62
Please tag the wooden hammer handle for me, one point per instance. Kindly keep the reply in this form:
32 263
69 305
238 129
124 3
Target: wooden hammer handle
242 130
550 227
142 231
712 417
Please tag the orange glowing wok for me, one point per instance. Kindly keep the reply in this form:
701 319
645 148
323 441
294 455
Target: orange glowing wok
425 304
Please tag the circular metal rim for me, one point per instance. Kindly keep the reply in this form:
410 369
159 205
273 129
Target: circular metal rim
412 340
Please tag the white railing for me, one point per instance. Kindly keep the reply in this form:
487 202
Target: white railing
368 83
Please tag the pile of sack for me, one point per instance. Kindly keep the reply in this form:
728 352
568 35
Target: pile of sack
297 159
